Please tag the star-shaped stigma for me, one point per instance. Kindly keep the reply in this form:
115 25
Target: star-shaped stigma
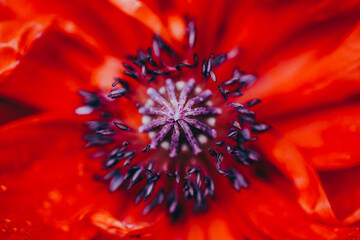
175 113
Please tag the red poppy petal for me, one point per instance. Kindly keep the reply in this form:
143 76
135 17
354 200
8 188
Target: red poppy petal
289 160
114 31
259 28
342 189
270 205
55 68
327 138
10 111
309 81
47 185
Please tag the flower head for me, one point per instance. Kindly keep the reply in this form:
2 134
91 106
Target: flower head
168 99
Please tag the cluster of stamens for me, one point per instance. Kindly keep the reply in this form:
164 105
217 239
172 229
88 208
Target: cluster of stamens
177 115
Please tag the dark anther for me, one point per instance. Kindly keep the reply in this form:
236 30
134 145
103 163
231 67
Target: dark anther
259 127
125 143
117 151
245 111
133 75
253 156
95 125
161 44
90 99
223 92
146 148
152 174
212 152
117 93
199 200
196 62
232 134
219 59
246 119
156 47
209 65
188 190
246 135
209 187
151 79
236 179
116 180
106 115
123 83
230 81
139 196
173 206
143 71
253 102
190 172
219 160
176 175
121 126
241 156
141 57
96 140
128 162
198 179
204 67
134 175
111 162
191 34
159 199
247 79
196 59
236 94
106 132
213 76
236 124
149 188
236 105
127 66
221 143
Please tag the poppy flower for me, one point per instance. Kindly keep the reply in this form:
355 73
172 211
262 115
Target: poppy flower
176 119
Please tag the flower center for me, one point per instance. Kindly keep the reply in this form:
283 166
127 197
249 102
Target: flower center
175 113
176 116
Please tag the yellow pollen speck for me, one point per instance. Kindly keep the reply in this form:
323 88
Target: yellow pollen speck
29 223
7 220
15 229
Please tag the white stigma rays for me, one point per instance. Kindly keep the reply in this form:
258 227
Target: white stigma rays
174 114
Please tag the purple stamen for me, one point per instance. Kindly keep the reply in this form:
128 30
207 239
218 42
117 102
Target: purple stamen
198 99
186 91
174 141
201 126
190 137
161 135
153 124
170 89
159 99
152 111
203 111
177 114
